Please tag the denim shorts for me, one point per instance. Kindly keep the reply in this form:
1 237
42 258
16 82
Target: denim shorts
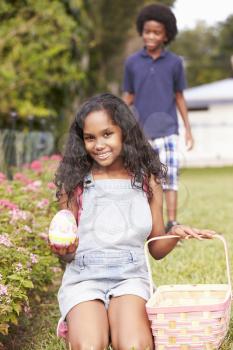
102 275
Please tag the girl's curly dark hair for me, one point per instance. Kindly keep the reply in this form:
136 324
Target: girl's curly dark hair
159 13
138 156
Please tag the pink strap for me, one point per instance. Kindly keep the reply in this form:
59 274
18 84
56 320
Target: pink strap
145 187
62 329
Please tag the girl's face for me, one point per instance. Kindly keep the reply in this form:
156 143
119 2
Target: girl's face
102 139
154 35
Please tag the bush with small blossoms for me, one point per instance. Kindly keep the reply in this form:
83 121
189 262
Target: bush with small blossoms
27 205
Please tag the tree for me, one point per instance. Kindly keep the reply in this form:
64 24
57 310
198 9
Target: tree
111 25
55 53
206 51
41 45
226 45
198 46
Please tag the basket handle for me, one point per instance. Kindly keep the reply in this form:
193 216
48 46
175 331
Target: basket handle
221 238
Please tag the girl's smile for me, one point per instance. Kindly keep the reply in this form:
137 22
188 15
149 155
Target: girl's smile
102 139
104 155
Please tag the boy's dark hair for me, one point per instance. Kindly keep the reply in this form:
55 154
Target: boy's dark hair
159 13
138 156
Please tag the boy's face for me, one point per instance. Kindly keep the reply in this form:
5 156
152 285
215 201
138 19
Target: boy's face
154 35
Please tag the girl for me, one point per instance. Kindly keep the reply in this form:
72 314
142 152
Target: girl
105 286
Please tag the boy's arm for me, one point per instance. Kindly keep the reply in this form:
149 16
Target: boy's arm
128 98
128 84
181 105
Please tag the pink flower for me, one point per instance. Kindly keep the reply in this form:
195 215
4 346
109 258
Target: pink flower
22 178
29 266
17 214
3 290
56 157
27 228
19 267
43 158
37 183
30 187
34 258
36 165
9 189
5 203
4 240
27 311
44 236
33 186
43 203
51 186
2 177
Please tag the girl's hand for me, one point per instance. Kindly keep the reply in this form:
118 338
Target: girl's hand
186 232
62 251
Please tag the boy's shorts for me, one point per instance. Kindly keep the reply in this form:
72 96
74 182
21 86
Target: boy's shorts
167 148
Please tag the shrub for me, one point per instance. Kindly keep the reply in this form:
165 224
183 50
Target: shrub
26 207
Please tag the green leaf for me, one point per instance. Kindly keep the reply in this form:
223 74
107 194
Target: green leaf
17 308
28 284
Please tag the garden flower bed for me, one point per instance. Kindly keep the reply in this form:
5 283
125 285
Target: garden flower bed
26 264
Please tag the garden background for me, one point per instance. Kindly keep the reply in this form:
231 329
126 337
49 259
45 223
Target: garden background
54 54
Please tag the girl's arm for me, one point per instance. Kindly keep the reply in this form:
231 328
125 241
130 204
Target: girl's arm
159 249
73 205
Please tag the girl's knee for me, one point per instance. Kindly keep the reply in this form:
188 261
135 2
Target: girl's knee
138 343
98 344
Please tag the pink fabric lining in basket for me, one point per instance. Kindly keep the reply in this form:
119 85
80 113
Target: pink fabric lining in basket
189 317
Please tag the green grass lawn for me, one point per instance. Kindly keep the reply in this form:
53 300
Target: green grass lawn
205 201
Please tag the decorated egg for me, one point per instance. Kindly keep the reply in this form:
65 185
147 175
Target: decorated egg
63 230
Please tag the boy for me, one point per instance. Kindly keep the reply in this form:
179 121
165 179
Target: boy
154 81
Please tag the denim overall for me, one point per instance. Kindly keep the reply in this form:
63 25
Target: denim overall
114 224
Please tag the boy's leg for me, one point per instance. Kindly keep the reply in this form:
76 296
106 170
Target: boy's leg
167 147
129 324
88 327
171 188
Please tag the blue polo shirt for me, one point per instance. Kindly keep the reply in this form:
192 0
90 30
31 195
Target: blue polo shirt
154 83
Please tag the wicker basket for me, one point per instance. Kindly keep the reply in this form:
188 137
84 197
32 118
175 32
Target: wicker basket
189 316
